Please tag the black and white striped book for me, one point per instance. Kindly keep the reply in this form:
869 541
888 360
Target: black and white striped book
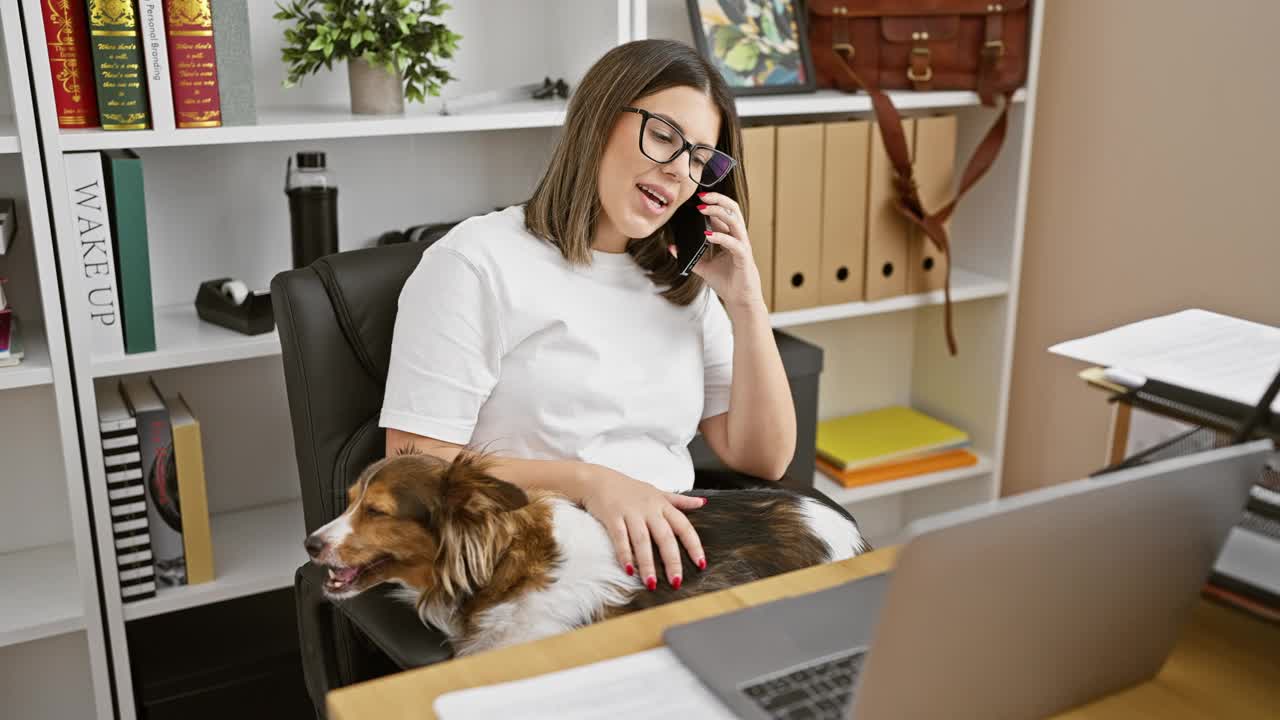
126 495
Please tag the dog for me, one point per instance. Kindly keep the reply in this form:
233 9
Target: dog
492 565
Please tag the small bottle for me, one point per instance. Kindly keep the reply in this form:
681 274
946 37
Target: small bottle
313 207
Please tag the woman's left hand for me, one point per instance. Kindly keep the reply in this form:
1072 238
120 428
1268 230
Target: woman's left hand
732 272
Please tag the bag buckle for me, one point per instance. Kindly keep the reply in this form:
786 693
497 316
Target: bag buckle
844 49
994 47
927 75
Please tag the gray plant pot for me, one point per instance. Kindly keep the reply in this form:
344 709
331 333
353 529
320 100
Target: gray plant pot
374 91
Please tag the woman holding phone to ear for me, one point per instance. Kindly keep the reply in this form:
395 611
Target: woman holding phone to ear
560 336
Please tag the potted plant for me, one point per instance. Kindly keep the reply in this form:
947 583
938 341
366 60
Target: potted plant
392 47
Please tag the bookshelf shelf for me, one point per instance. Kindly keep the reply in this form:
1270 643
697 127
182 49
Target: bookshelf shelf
835 102
965 285
254 550
35 367
321 123
183 340
849 496
41 595
9 143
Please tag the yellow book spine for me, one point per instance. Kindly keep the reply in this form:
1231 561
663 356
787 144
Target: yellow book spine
197 539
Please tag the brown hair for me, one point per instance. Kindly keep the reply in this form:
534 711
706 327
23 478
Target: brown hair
565 207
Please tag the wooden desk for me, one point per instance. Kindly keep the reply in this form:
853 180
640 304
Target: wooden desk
1227 665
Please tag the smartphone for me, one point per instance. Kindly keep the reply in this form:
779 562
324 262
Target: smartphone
689 232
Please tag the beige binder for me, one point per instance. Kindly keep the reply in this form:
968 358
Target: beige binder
797 217
757 164
887 230
935 167
844 212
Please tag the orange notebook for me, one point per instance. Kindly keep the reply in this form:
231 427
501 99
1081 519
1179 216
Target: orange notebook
945 460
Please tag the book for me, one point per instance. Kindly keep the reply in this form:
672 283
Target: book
877 436
898 469
234 49
126 495
8 225
116 49
122 170
93 250
11 352
197 540
155 54
193 63
66 33
159 475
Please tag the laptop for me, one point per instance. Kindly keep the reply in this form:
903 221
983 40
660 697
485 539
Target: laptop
1020 608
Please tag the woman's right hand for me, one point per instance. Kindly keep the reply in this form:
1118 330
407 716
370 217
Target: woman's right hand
637 514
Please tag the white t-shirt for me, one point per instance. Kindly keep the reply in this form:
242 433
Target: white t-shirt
500 344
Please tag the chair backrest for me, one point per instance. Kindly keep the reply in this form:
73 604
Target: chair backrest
335 318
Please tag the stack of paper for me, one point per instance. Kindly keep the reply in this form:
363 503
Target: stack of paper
649 684
887 444
1197 350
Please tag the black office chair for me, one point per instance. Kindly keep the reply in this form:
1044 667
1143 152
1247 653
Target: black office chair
335 319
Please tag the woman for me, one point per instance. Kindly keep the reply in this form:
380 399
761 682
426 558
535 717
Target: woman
561 337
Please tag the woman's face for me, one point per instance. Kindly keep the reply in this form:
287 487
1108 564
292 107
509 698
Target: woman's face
630 211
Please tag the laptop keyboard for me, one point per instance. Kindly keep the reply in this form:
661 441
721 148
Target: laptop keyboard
820 689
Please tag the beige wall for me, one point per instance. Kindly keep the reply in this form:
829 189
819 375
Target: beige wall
1155 186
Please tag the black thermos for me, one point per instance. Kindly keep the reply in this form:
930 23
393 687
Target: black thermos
313 208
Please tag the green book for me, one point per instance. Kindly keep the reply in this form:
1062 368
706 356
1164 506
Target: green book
122 170
116 48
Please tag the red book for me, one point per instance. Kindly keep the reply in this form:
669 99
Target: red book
192 63
66 33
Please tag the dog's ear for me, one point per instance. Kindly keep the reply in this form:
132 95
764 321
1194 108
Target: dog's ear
468 489
475 528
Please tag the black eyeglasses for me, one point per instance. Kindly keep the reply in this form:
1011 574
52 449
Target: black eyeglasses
662 143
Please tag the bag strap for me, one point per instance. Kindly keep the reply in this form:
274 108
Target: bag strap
895 144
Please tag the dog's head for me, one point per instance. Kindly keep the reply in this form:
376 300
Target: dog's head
418 521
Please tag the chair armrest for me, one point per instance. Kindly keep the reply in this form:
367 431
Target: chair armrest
394 627
366 637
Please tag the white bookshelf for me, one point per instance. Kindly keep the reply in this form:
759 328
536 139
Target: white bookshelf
965 286
254 550
34 369
9 143
53 649
42 595
216 208
183 340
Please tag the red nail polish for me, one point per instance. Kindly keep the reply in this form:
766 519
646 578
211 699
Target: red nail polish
704 500
630 570
702 207
651 582
675 582
708 232
702 564
702 194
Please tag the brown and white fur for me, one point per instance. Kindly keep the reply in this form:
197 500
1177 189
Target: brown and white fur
491 565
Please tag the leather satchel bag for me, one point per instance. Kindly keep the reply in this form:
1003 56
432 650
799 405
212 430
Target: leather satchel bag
875 45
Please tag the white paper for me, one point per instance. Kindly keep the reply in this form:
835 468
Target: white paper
649 684
1195 349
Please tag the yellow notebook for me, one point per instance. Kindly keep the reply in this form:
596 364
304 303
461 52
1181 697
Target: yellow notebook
898 469
878 436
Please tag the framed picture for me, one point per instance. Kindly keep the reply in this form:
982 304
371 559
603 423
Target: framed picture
759 46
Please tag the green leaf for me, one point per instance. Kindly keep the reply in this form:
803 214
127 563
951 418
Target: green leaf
743 56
